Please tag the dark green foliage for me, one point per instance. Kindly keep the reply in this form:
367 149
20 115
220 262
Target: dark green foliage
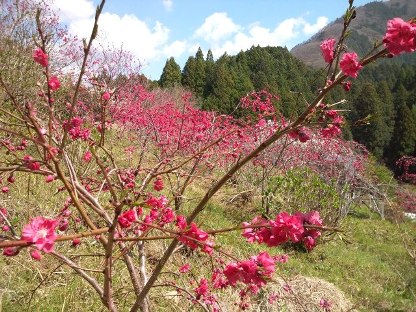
171 75
375 135
271 68
287 193
404 135
194 76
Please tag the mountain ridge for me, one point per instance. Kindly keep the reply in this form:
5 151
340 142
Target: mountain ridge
368 26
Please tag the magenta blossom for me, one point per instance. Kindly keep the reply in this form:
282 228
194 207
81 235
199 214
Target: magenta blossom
41 232
327 49
158 184
127 218
349 64
400 36
54 83
40 57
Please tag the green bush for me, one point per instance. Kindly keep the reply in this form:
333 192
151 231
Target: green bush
301 189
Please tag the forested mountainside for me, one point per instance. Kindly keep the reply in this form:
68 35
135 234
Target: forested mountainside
220 84
368 27
380 109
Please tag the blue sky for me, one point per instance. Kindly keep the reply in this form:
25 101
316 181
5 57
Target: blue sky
154 30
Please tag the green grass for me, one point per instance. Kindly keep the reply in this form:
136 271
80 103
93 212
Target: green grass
371 265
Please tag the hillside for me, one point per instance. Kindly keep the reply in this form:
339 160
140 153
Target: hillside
368 26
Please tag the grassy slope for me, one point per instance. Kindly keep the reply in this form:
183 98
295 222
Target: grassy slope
370 264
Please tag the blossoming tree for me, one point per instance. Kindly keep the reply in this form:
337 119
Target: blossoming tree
66 134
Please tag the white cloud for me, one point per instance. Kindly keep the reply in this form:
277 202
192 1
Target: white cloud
176 48
127 31
321 22
168 5
240 38
216 27
147 42
74 9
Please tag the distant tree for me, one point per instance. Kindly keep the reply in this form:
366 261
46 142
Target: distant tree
200 74
375 135
209 73
404 135
171 74
210 57
387 111
223 97
188 73
193 75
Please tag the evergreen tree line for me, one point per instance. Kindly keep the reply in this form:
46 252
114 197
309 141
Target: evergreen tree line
380 108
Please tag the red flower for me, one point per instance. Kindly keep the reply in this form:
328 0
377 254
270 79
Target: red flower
349 64
327 49
400 36
106 96
202 289
181 222
40 57
35 254
127 218
10 251
41 232
347 85
54 83
158 184
87 156
192 236
49 178
185 268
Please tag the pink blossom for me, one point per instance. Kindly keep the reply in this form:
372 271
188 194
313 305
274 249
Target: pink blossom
192 236
106 96
252 272
284 228
331 131
400 36
327 49
304 135
158 184
40 57
349 64
41 232
76 242
5 189
347 85
10 251
185 268
325 304
11 179
281 258
181 222
35 254
87 156
208 247
30 163
54 83
157 202
63 224
256 234
127 218
266 262
49 178
202 289
272 298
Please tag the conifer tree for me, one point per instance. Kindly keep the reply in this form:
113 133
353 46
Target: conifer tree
171 74
375 135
